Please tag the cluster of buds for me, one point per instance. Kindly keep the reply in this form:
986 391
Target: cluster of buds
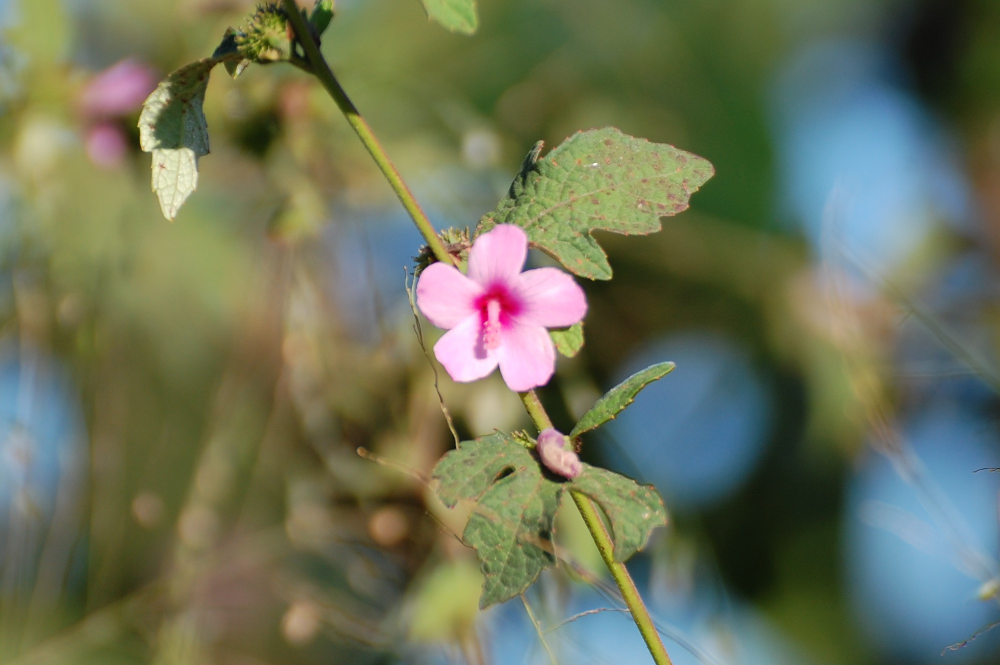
267 35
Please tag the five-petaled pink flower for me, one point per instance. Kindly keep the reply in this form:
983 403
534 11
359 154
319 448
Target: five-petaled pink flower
498 315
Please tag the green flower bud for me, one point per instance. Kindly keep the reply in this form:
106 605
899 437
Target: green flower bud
455 241
267 36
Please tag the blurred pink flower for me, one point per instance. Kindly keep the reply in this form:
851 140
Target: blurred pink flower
118 90
498 315
105 102
106 144
557 458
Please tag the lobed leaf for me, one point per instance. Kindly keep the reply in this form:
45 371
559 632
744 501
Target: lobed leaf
618 398
600 179
514 509
454 15
515 506
633 510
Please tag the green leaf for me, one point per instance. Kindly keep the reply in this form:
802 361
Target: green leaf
599 179
321 15
175 176
633 510
615 400
568 341
515 505
229 52
172 126
454 15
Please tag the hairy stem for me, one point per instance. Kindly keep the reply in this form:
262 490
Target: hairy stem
321 70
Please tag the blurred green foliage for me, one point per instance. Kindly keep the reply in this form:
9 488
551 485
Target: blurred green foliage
227 516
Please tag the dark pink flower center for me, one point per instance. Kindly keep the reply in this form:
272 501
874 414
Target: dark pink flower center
497 305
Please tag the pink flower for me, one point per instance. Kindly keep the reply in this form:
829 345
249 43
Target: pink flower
498 315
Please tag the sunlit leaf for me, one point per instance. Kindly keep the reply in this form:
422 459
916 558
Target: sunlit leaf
568 341
455 15
172 126
600 179
175 176
615 400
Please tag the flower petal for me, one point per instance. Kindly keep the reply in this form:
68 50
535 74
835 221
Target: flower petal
445 295
461 353
498 255
526 355
550 298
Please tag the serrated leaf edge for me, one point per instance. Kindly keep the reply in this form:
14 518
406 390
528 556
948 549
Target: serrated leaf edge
583 426
598 268
618 554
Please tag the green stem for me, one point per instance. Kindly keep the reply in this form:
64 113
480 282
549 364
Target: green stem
640 613
599 532
534 407
321 70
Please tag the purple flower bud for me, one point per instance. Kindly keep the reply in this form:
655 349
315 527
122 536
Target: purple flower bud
556 456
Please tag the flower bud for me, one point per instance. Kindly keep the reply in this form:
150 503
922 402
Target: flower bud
556 453
267 36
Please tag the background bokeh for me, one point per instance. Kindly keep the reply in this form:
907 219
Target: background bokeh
182 405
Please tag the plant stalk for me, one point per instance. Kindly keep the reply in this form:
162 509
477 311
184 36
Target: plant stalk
599 532
633 600
321 70
534 407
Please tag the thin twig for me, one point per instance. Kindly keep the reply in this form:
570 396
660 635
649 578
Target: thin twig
539 631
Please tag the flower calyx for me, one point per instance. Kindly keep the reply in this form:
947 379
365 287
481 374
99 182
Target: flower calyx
456 242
